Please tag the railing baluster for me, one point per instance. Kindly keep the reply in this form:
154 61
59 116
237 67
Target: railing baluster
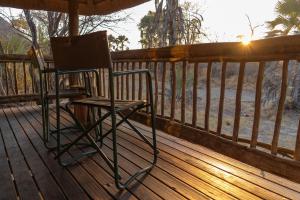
155 86
122 82
133 82
280 109
257 111
163 85
6 77
208 94
127 81
297 146
24 80
173 100
238 102
15 78
147 86
195 95
118 81
183 92
222 96
104 82
140 82
32 78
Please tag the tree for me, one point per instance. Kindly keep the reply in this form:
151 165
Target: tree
192 24
41 25
149 37
287 20
117 43
168 21
122 40
171 24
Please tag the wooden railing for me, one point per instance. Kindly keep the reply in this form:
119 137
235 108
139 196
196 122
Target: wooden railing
182 58
185 79
18 79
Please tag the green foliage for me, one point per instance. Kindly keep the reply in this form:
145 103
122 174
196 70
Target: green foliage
15 45
287 20
118 43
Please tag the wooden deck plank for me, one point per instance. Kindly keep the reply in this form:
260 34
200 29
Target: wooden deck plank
194 164
164 177
44 180
86 180
252 187
214 157
254 184
183 171
7 188
27 189
199 180
64 178
141 191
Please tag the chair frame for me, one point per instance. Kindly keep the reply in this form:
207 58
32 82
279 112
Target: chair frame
113 112
45 97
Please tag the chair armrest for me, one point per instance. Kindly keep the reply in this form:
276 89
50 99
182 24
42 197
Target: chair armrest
138 71
75 71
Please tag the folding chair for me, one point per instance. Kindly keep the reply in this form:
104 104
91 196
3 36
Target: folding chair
91 52
43 73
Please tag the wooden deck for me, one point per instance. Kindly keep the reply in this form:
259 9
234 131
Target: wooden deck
183 171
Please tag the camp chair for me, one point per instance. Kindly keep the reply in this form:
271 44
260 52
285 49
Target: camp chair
91 52
41 72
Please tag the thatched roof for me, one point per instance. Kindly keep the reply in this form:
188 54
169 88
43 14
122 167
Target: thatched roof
86 7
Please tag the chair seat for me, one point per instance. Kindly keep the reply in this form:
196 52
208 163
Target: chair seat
105 103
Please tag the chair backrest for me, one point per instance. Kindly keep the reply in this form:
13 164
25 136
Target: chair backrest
81 52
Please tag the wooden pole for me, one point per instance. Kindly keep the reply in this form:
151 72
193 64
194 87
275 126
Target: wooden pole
73 18
79 111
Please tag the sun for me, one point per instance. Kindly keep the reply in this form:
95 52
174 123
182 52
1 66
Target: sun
246 41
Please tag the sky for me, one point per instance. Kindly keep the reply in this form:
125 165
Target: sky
224 20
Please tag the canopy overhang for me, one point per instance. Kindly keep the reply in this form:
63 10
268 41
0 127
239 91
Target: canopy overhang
85 7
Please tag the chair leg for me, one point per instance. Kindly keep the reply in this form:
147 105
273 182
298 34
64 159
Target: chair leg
117 176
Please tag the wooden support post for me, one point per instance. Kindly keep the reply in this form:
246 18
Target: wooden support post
79 111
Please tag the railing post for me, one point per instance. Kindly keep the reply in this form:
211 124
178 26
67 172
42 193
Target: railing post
222 96
183 92
257 111
208 91
280 109
238 103
163 85
173 99
195 95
